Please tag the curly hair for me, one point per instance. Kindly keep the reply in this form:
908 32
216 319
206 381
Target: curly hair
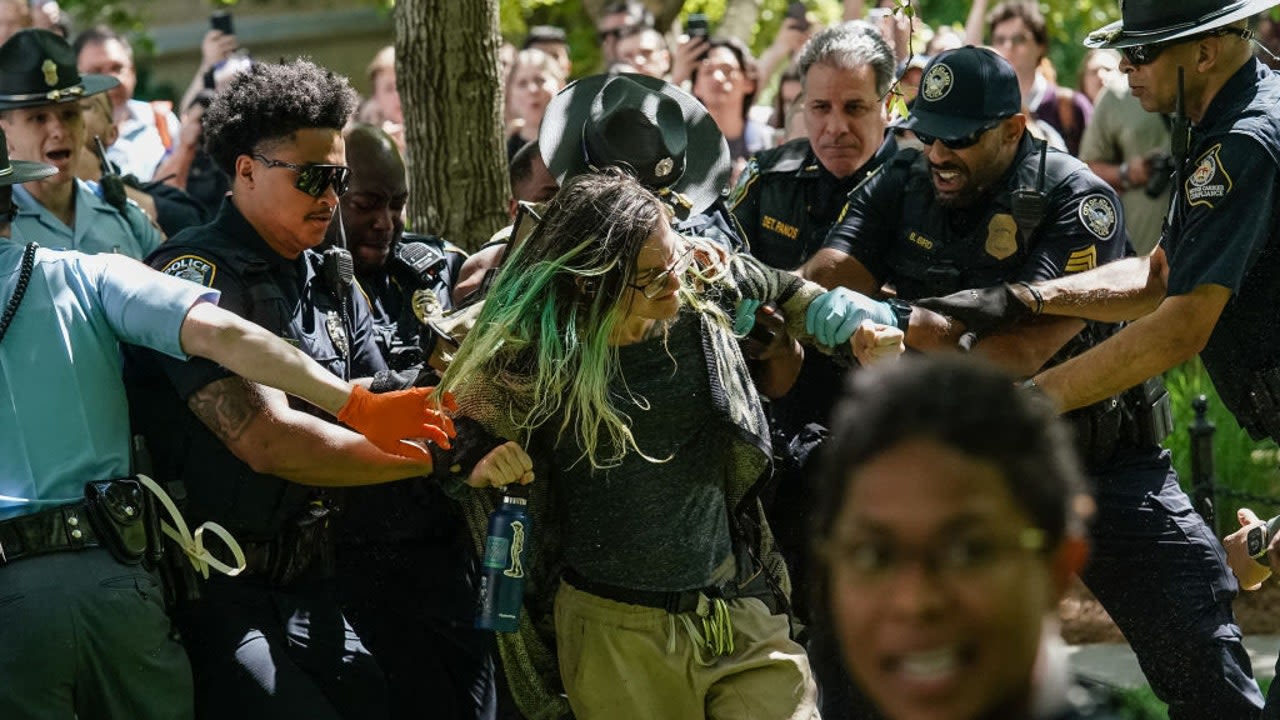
272 101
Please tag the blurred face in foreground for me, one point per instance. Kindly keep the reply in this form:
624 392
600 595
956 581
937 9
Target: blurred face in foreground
938 587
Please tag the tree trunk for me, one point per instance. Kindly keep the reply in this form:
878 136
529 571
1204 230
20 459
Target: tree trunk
447 75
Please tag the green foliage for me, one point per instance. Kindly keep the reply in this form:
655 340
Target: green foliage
125 16
1240 463
1069 22
515 17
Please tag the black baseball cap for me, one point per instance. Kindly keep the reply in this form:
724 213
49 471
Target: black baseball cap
963 91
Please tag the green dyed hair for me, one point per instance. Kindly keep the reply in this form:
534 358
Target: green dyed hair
544 332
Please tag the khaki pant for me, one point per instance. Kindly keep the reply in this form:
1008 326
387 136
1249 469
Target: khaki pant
621 661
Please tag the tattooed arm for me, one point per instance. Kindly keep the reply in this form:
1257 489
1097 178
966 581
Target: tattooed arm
258 426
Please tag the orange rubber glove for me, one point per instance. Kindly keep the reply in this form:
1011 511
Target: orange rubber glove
388 419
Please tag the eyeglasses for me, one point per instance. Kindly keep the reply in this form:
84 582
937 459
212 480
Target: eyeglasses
959 560
1138 55
657 285
960 143
314 178
1016 40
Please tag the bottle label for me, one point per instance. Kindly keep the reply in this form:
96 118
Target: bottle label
495 552
516 570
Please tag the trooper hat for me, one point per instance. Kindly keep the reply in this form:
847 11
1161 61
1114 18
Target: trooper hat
13 172
649 127
963 91
38 67
1154 21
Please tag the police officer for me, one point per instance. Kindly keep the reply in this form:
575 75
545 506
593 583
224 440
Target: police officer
40 93
272 642
407 573
786 201
1214 297
390 264
981 204
788 198
85 631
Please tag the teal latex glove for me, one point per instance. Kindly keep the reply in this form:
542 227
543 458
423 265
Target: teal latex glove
745 317
834 315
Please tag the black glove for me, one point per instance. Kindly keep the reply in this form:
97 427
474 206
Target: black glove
980 310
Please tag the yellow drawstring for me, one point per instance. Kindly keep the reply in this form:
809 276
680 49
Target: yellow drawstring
716 635
193 545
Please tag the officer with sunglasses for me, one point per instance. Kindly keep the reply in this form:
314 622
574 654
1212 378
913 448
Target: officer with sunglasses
272 642
983 203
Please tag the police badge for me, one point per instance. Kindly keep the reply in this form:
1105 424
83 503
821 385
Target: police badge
337 332
1002 236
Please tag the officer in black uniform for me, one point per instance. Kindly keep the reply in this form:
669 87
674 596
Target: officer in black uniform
786 201
787 198
407 573
983 203
391 264
1213 288
272 642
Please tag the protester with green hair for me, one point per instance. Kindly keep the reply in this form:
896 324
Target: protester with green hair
606 348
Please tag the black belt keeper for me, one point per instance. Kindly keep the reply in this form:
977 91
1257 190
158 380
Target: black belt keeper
58 529
1098 432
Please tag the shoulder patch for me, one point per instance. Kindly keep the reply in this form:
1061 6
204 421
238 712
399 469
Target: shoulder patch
191 268
748 176
1081 260
1098 214
1210 181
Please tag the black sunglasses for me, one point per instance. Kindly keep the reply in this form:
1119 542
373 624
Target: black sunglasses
960 143
314 178
1144 54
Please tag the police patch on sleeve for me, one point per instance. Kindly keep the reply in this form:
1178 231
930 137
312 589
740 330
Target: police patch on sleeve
192 268
1098 214
1210 181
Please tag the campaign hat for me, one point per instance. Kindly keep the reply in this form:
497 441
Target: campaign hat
648 127
38 67
1144 22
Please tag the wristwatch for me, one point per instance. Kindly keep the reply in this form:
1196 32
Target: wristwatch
901 310
1258 540
1124 176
